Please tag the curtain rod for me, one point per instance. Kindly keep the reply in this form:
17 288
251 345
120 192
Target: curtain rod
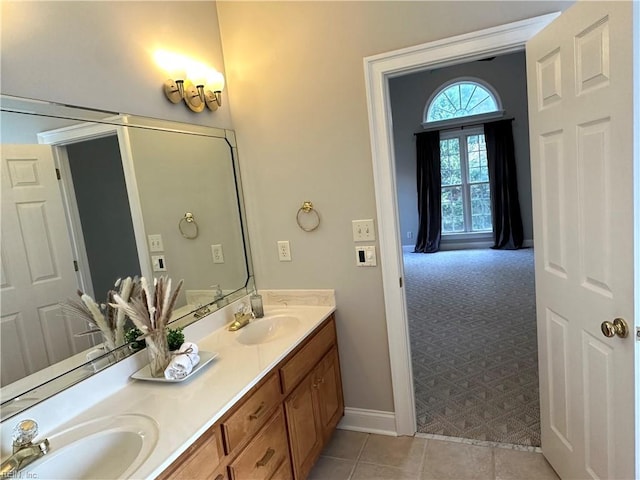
463 126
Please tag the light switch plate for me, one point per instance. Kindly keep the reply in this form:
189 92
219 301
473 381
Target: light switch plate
363 230
158 262
366 256
155 243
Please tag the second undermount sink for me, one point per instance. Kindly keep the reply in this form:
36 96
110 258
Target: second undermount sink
105 448
268 329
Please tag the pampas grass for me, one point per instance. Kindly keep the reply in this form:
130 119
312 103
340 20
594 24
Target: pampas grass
151 310
150 313
104 318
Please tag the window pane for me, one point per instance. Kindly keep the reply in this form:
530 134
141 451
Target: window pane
452 210
480 207
477 154
450 162
461 99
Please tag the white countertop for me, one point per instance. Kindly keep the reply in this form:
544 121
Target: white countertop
185 410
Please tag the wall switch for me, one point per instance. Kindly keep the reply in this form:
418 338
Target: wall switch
284 251
158 263
155 243
366 256
363 231
216 252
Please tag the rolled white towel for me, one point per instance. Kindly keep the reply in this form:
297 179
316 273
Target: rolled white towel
181 364
189 346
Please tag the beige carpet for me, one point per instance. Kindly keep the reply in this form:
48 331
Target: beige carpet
473 339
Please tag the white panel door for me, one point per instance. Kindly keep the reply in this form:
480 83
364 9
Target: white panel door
579 72
37 265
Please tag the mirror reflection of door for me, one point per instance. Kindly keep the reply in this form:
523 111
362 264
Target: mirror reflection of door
106 228
37 266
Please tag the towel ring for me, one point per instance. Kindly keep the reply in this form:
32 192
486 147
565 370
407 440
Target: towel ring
307 208
188 219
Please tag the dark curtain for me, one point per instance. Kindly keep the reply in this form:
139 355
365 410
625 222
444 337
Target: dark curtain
507 222
429 195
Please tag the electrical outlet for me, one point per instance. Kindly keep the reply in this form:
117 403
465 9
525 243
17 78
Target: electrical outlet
216 252
155 243
363 231
409 234
158 263
284 251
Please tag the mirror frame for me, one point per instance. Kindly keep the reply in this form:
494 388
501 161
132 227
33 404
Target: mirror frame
61 380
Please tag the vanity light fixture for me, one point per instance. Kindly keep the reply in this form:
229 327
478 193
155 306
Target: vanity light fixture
196 84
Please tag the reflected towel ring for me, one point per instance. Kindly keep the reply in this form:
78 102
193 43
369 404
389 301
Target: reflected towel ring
307 208
188 219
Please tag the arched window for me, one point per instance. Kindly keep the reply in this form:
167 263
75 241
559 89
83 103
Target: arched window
461 98
465 189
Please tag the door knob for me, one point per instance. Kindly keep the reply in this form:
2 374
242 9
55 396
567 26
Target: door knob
618 327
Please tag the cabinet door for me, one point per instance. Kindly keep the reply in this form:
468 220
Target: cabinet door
305 432
329 391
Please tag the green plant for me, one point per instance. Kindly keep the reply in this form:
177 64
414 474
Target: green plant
131 336
175 338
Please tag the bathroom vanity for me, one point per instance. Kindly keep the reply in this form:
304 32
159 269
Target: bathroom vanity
263 408
278 429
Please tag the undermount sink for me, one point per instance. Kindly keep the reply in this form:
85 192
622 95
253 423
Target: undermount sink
105 448
267 329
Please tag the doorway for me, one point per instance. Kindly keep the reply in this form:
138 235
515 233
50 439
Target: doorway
99 195
471 309
378 70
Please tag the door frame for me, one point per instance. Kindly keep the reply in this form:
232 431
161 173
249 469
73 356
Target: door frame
499 40
59 139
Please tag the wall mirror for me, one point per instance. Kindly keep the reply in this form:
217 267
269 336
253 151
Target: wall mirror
89 197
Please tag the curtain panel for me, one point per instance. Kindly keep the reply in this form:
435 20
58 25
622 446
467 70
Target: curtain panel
507 221
429 192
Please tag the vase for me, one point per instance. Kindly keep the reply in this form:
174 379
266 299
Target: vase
158 352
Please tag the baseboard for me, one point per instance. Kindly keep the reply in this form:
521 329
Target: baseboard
369 421
465 245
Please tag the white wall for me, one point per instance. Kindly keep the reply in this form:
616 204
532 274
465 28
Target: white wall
296 83
100 54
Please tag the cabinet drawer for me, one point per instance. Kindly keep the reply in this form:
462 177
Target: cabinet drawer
252 414
265 453
202 460
284 471
307 357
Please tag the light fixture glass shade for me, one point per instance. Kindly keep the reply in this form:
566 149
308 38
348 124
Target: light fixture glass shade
197 73
215 81
172 63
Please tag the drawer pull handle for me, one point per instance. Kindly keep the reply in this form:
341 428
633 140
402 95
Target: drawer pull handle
219 477
265 459
258 413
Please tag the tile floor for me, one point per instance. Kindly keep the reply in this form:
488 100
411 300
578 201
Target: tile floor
363 456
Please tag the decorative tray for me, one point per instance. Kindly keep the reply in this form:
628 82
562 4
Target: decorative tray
145 374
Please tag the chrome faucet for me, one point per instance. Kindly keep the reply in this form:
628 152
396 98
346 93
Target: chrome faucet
24 450
241 318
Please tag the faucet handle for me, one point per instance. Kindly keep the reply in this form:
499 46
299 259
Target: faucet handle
24 432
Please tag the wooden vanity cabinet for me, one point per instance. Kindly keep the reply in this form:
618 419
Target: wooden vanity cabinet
314 408
202 460
278 429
